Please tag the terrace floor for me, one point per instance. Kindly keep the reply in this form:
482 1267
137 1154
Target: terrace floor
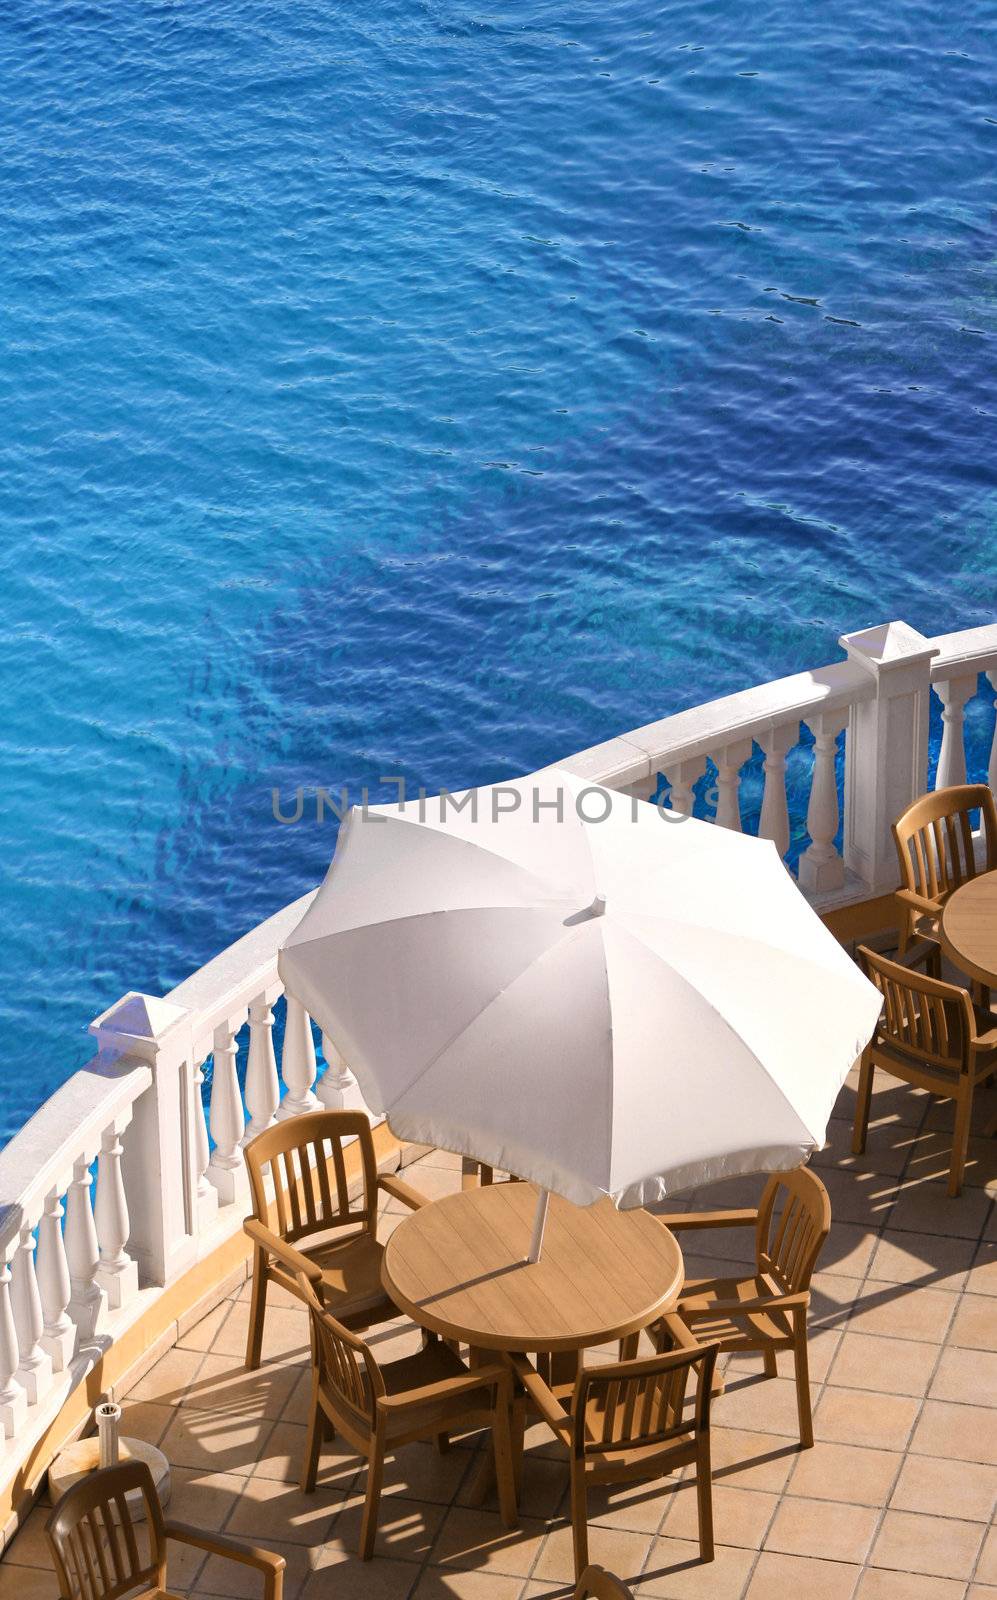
894 1502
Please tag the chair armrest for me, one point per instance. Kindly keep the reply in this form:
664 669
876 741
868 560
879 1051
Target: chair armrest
546 1402
919 902
220 1544
475 1378
730 1308
678 1332
401 1191
294 1260
708 1219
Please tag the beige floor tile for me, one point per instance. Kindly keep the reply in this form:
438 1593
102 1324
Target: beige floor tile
222 1383
891 1309
26 1583
936 1487
832 1530
216 1441
854 1416
929 1209
740 1516
406 1529
928 1259
170 1380
204 1499
229 1579
845 1472
203 1333
269 1509
478 1539
438 1583
890 1366
146 1419
848 1251
878 1584
982 1275
544 1487
958 1432
783 1577
767 1404
341 1575
821 1348
32 1545
969 1376
752 1460
637 1507
618 1549
975 1325
888 1147
938 1546
981 1591
674 1571
986 1571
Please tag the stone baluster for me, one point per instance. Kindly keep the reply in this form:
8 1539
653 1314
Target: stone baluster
13 1400
88 1301
297 1061
774 821
34 1367
681 776
117 1273
953 693
337 1088
262 1085
821 867
992 768
729 762
226 1168
59 1333
206 1197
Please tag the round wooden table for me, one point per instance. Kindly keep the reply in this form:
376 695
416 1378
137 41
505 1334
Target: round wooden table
459 1268
968 928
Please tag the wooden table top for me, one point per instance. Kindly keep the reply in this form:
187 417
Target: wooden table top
459 1267
969 928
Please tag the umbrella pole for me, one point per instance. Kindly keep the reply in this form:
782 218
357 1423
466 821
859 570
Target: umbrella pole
539 1223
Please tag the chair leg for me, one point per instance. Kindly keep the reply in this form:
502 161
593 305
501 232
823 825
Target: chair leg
704 1499
257 1309
372 1499
505 1470
863 1102
771 1365
802 1363
517 1433
579 1519
442 1444
629 1347
960 1141
313 1445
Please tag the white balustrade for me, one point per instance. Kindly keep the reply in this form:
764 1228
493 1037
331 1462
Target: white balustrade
206 1195
34 1367
729 762
992 764
821 867
682 775
59 1331
226 1168
337 1088
88 1301
776 744
13 1400
953 693
117 1273
297 1061
262 1086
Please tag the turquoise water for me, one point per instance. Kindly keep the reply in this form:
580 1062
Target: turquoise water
439 390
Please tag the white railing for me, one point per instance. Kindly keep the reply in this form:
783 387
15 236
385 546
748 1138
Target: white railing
82 1252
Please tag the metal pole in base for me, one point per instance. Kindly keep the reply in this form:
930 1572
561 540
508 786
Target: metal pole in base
539 1223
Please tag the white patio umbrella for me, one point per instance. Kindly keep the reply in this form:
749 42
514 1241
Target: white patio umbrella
625 1006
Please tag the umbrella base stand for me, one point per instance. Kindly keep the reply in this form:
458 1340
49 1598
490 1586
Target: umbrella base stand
539 1224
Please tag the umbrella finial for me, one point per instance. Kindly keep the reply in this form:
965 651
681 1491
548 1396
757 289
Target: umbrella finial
598 906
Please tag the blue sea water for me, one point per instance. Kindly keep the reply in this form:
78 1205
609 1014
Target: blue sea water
433 388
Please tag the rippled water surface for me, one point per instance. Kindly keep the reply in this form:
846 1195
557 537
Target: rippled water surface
435 390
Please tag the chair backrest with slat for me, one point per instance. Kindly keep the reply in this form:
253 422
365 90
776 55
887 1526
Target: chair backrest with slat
305 1157
794 1219
348 1374
596 1583
98 1552
934 839
924 1020
640 1405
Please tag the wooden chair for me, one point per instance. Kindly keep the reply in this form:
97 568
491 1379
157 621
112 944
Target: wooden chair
378 1407
624 1422
99 1553
934 840
302 1229
767 1310
596 1583
930 1034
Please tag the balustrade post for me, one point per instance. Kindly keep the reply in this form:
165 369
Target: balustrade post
729 762
34 1367
992 767
58 1333
886 752
953 694
297 1061
13 1400
227 1169
776 744
262 1086
88 1301
681 776
205 1193
117 1273
337 1088
821 867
